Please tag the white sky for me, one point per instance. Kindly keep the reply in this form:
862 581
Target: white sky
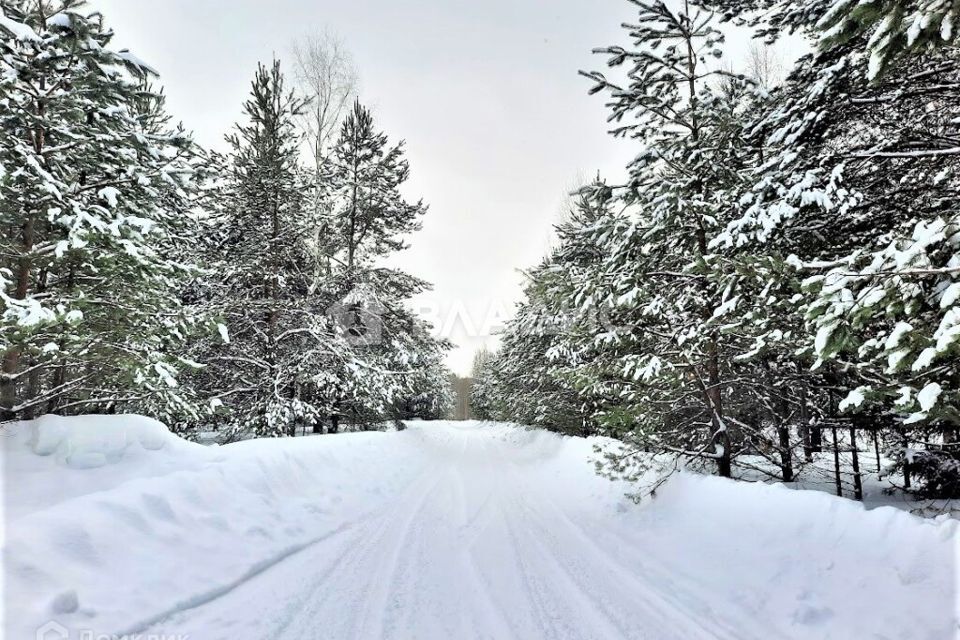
485 92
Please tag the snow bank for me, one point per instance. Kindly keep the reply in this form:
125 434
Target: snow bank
53 459
85 443
112 522
809 564
788 563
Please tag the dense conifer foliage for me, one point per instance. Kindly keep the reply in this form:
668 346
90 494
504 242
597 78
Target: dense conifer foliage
142 273
779 263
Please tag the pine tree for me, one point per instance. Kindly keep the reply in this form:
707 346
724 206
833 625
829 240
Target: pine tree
368 220
95 190
664 289
370 216
886 29
892 27
277 336
852 212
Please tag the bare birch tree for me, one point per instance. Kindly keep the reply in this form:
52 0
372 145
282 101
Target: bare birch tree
326 78
764 65
324 75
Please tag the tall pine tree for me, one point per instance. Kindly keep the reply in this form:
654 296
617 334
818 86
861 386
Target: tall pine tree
261 375
94 192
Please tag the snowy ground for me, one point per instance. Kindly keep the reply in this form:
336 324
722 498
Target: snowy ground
445 530
881 487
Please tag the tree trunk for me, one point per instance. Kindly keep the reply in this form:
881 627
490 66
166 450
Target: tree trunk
33 380
906 462
781 413
876 451
805 429
59 379
816 439
11 357
33 388
855 459
334 423
836 461
8 385
724 466
354 205
786 461
714 393
714 397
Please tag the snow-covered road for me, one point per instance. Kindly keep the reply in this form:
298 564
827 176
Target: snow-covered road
479 544
444 530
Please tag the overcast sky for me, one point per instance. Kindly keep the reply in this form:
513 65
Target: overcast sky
486 94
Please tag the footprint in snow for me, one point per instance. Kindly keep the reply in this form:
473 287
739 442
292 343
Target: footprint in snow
258 531
159 507
812 616
65 602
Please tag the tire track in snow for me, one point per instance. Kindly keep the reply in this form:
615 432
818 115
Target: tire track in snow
363 562
562 598
369 521
687 603
682 593
557 603
587 581
397 573
476 544
661 618
201 599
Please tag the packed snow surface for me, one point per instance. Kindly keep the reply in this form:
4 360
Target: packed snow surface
444 530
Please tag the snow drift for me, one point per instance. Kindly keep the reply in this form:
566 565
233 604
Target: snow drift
812 564
161 524
54 459
114 525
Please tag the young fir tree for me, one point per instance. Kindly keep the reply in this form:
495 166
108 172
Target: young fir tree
94 191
